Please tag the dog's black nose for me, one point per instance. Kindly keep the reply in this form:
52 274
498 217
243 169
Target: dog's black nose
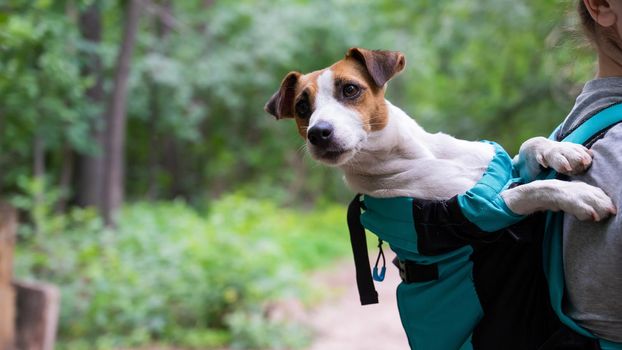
320 134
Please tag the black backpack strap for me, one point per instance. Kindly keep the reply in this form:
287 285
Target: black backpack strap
364 282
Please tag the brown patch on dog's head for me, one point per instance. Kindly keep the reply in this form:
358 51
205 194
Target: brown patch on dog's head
280 104
368 71
381 65
304 101
297 93
359 81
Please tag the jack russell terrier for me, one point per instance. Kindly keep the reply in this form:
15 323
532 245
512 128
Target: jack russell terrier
347 123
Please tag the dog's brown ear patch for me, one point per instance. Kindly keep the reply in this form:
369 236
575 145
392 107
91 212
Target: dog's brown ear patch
381 65
281 103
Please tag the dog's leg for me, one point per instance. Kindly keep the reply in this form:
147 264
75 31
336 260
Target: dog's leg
584 201
564 157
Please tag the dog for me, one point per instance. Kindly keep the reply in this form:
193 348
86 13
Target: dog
342 114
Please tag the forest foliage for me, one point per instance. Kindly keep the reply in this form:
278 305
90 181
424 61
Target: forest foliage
200 154
497 69
178 276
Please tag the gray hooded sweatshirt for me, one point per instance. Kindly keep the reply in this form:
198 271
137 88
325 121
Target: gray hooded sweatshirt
593 250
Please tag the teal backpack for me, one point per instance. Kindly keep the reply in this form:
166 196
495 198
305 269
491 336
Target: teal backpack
473 273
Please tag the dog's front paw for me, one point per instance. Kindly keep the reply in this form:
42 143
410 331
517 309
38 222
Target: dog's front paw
588 202
566 158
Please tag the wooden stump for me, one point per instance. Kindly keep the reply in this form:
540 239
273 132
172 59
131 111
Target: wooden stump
38 306
8 226
28 310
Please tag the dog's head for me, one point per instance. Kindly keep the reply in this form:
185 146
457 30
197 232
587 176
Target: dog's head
338 107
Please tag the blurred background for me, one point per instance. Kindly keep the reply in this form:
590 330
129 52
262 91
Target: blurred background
169 209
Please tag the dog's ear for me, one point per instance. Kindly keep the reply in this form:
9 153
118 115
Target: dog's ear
281 103
381 65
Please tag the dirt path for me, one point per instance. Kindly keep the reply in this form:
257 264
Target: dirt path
343 324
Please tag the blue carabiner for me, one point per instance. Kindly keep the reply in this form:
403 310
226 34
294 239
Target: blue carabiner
380 277
383 270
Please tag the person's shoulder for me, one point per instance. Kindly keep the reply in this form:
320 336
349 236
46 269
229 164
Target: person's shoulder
613 136
615 133
607 156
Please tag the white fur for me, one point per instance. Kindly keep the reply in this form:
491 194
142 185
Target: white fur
584 201
564 157
402 159
348 127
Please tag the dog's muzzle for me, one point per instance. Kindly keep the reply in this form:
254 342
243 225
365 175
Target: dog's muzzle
321 134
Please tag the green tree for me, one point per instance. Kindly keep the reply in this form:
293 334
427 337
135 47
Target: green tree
496 69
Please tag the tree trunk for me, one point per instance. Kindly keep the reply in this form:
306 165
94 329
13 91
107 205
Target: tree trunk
162 29
8 228
38 155
2 118
173 163
2 156
90 167
116 119
154 148
66 177
38 173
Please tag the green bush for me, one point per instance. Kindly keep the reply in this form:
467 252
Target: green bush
172 275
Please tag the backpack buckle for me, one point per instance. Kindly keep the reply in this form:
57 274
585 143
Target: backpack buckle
411 272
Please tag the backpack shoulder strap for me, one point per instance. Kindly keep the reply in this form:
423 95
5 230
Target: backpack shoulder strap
364 281
552 244
594 126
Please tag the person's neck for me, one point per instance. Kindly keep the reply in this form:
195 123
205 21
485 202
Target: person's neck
608 66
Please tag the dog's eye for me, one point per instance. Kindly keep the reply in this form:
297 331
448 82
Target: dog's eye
351 91
303 109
